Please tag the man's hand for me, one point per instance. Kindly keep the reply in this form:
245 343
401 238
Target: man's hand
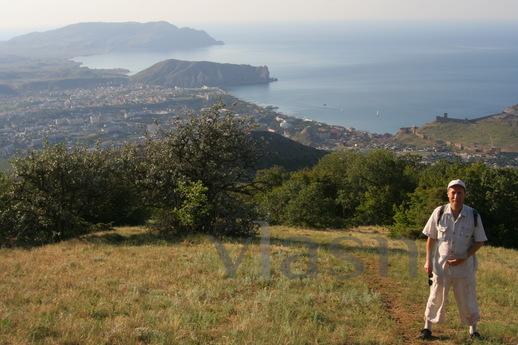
430 243
455 262
428 267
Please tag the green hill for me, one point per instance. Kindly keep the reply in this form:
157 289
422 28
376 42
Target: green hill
130 286
278 150
498 132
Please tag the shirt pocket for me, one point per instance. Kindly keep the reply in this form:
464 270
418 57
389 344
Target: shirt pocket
465 238
442 239
466 232
441 232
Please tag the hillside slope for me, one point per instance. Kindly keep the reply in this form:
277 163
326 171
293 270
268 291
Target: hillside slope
278 150
130 286
498 132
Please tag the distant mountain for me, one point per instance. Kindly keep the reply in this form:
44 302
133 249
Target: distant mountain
102 38
192 74
278 150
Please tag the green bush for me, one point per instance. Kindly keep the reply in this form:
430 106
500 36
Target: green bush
273 200
382 181
191 212
314 206
57 193
344 188
215 150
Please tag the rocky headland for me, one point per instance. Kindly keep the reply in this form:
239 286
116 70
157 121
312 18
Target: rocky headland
194 74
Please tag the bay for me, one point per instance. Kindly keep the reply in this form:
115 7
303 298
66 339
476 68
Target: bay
370 76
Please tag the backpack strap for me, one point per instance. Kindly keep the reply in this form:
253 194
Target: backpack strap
475 217
441 212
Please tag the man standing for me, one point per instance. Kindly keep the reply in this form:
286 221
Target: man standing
455 233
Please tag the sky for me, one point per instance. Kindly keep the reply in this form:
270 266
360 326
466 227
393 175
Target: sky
25 15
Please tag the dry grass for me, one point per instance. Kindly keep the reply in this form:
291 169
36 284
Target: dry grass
131 287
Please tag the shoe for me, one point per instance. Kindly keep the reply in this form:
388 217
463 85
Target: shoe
426 334
475 335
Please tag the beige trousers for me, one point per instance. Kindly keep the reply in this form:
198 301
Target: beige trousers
464 289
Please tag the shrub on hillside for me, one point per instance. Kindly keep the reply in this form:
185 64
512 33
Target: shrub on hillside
214 154
381 181
344 188
190 213
275 195
56 193
267 179
314 206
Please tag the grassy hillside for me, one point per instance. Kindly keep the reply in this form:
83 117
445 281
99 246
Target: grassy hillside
132 287
499 131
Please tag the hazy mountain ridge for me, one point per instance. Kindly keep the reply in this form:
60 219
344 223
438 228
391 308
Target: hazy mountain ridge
103 38
194 74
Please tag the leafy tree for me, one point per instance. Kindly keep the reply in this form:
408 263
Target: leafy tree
382 182
345 187
215 151
189 215
273 204
314 205
267 179
339 169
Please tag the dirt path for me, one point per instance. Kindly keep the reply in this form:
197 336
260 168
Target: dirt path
407 318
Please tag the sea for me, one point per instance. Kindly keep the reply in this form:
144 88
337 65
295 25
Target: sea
374 76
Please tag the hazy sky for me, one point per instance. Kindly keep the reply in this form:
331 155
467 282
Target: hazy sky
28 14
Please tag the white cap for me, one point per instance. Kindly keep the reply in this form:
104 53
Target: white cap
457 183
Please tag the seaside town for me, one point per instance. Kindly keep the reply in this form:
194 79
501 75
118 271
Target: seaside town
115 115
